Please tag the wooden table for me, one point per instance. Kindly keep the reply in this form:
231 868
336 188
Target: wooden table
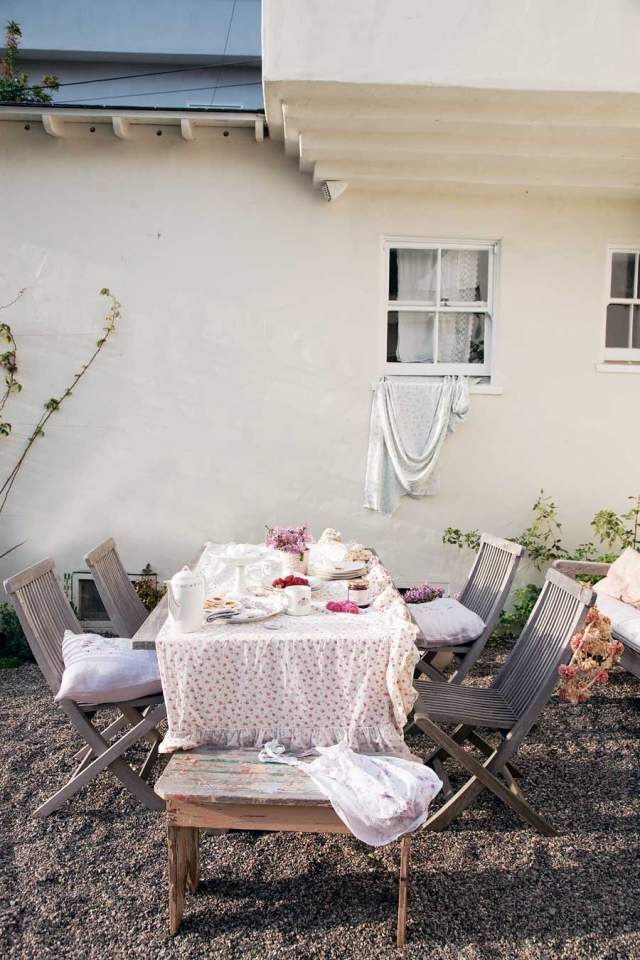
231 790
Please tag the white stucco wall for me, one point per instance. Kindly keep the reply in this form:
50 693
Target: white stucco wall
507 44
236 392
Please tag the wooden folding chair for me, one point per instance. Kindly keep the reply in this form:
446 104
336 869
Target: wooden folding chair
126 611
485 593
45 613
510 706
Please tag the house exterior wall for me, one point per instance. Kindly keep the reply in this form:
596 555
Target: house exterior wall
236 391
509 44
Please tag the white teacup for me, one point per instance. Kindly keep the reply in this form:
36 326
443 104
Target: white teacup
298 600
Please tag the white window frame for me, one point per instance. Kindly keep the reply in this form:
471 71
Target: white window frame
621 354
485 369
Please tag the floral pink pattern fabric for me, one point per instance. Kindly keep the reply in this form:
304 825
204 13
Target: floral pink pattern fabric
314 682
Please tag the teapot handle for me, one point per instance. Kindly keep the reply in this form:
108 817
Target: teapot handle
174 605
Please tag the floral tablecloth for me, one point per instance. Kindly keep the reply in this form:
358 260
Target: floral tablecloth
315 681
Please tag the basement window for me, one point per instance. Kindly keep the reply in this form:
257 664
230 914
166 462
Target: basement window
440 307
622 320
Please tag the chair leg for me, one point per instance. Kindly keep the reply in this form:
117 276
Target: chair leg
106 756
460 734
106 734
438 768
405 867
149 761
483 776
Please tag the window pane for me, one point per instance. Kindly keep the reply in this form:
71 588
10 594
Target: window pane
461 337
622 274
635 333
412 275
465 276
617 325
410 336
90 605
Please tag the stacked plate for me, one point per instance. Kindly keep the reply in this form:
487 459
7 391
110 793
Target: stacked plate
341 570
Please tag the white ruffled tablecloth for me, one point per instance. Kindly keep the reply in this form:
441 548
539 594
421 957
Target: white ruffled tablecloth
318 680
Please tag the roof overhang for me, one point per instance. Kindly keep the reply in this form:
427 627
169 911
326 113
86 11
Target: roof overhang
450 138
55 119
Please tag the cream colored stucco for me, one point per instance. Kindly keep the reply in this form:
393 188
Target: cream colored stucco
236 392
506 44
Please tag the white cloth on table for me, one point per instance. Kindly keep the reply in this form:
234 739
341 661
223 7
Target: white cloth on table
410 419
379 798
315 681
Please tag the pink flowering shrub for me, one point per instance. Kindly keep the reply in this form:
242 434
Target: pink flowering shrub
289 539
595 652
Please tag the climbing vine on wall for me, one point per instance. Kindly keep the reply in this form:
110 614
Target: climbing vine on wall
9 362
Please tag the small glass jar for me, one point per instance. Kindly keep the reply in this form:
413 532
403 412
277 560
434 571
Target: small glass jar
359 592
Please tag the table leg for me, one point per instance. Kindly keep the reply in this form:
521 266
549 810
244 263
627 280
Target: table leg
193 865
405 863
178 846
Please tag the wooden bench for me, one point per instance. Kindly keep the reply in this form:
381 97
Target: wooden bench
231 790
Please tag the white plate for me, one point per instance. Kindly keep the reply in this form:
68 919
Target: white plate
347 570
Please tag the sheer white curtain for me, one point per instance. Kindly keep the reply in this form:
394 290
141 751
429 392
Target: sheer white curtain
417 280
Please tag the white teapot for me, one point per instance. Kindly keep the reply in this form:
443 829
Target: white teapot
186 592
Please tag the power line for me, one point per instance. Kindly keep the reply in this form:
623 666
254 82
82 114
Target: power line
254 61
226 44
154 93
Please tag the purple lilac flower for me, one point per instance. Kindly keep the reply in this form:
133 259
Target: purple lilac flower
289 539
423 594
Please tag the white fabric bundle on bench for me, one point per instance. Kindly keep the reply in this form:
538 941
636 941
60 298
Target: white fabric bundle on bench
623 579
106 670
625 619
446 622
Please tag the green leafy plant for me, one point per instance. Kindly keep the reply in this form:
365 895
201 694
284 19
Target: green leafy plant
460 538
15 86
511 622
148 589
543 537
13 643
54 404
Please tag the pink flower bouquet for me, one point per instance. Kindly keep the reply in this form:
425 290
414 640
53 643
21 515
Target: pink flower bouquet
595 652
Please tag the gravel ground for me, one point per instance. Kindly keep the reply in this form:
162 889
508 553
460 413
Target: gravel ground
89 881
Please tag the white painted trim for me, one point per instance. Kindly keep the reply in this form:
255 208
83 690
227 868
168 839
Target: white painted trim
53 118
618 354
121 128
53 125
486 390
186 129
618 367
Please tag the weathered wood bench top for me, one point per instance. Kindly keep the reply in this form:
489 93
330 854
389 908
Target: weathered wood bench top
207 775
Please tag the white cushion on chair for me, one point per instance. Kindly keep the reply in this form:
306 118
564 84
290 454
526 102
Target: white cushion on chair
106 670
445 623
625 619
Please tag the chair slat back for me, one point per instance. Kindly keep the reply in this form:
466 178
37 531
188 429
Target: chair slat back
528 677
45 614
126 611
490 578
